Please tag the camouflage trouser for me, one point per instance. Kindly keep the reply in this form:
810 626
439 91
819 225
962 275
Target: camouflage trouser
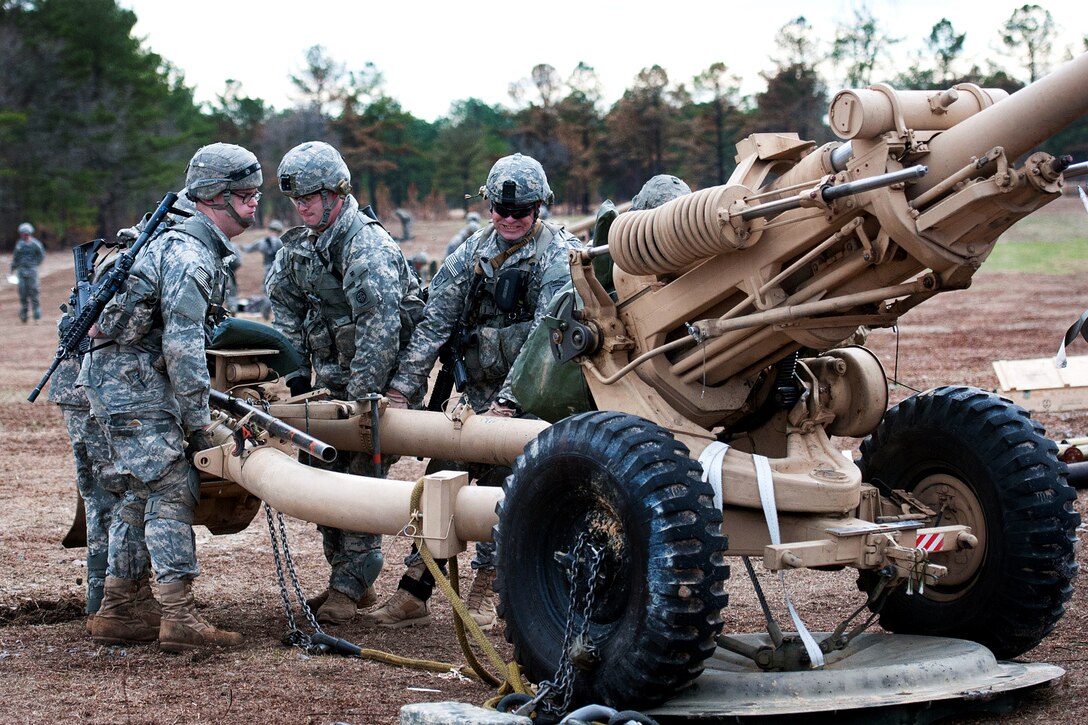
28 295
99 494
355 557
157 509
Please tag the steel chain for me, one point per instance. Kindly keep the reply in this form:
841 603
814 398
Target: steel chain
294 636
559 692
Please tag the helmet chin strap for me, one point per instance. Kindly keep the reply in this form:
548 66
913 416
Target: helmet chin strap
326 209
244 223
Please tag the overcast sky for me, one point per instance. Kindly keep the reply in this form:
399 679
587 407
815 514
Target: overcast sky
433 52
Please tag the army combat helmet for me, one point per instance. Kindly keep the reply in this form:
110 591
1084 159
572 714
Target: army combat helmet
517 181
26 228
311 167
657 191
220 168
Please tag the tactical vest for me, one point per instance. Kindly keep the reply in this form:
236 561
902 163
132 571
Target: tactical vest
135 314
329 324
504 314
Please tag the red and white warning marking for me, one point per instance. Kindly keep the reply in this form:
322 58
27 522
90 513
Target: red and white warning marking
932 541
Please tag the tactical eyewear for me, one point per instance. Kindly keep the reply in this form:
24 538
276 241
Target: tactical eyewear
246 198
514 212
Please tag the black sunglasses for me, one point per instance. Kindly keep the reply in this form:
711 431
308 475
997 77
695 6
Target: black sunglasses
514 212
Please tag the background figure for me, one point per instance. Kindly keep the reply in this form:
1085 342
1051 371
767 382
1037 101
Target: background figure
493 309
267 246
158 325
28 255
405 223
472 225
345 296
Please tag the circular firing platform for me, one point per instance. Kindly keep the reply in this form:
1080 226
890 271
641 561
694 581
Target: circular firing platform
878 678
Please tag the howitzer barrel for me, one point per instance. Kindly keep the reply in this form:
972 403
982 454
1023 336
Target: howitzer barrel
1019 123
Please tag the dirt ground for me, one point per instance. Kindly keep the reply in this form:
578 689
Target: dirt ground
51 671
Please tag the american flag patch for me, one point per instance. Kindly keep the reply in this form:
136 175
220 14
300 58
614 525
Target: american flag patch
204 281
930 542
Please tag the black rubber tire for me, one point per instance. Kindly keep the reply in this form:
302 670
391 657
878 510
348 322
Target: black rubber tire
658 613
987 457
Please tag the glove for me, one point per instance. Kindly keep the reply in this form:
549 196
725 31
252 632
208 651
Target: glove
299 385
396 398
502 408
197 441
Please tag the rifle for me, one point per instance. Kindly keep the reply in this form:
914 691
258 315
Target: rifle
461 335
102 293
83 258
443 383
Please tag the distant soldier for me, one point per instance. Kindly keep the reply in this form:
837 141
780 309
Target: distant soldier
28 255
504 276
405 224
472 225
344 294
267 246
148 385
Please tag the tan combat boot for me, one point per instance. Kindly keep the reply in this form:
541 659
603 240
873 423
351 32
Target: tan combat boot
338 608
403 609
116 621
147 607
481 599
183 628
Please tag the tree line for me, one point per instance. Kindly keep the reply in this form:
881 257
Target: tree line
94 128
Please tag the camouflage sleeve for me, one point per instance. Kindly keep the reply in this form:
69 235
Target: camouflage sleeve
445 301
372 285
555 272
289 307
186 277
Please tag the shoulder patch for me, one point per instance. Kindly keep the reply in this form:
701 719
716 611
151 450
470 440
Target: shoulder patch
363 299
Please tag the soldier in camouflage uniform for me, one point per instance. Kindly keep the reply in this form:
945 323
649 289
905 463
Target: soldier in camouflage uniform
98 484
28 255
344 294
520 262
148 384
267 246
658 190
472 225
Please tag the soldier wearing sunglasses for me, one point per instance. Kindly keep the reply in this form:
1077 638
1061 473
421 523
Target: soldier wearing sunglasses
491 291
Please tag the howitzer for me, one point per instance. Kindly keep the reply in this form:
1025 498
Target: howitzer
102 293
720 369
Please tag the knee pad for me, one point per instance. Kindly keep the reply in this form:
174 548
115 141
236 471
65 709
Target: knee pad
177 503
372 566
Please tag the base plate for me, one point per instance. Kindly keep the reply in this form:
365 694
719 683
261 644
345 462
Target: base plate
931 677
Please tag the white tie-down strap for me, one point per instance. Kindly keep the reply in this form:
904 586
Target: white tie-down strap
711 460
765 481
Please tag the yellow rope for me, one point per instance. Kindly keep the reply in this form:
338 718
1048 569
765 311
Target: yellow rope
510 672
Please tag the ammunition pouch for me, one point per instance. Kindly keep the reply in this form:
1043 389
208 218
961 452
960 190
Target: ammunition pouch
491 351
